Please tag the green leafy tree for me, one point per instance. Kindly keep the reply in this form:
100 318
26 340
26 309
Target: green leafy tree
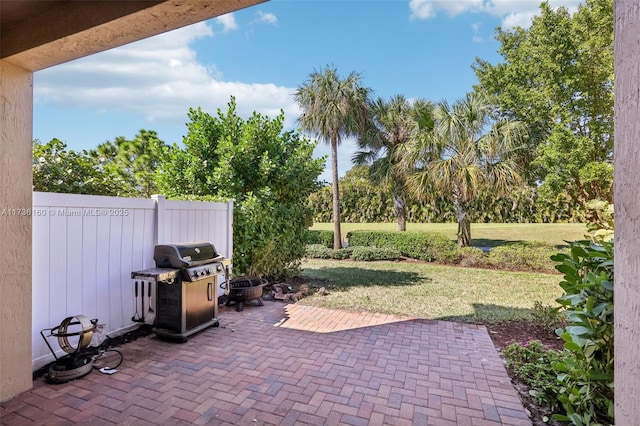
134 161
191 170
391 126
267 171
557 77
56 169
332 109
465 153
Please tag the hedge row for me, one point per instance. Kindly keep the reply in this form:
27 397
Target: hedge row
432 247
532 256
361 201
320 237
321 251
366 254
429 246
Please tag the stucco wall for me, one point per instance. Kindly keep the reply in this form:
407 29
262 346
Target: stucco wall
16 113
627 208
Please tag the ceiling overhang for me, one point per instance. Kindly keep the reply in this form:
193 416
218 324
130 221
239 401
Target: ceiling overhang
37 34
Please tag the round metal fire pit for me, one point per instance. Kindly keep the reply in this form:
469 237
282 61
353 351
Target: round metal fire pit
244 289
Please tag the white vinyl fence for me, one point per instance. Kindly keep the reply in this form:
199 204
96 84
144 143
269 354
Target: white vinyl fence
85 248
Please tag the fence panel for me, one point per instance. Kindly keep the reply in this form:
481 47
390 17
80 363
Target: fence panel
85 248
199 221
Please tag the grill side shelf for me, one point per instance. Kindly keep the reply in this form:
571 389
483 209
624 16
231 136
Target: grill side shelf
158 274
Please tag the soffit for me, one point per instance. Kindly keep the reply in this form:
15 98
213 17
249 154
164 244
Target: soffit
36 34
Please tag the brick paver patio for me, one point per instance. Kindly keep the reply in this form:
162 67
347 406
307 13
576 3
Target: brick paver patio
292 364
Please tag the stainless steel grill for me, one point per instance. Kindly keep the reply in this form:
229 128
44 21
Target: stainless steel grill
185 281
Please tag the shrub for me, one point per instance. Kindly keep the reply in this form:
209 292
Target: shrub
471 257
372 238
587 375
548 317
529 256
532 364
374 253
343 253
319 237
436 247
429 246
259 248
600 216
318 251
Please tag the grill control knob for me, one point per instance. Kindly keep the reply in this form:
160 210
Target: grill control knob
195 274
207 271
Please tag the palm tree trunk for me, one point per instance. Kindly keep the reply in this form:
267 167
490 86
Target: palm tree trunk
401 211
337 236
464 226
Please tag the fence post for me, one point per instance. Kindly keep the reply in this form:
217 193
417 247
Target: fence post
230 228
161 218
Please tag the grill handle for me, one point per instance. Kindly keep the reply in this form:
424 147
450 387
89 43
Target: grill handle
209 292
227 278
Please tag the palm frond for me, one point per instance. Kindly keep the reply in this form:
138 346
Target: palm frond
361 158
332 108
468 148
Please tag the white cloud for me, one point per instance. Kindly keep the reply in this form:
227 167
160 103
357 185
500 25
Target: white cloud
228 22
476 38
512 12
521 19
268 18
422 9
158 78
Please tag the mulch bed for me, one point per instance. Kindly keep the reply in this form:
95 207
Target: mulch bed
522 332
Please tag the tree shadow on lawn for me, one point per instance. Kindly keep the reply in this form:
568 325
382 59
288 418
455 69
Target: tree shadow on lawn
491 243
488 313
343 278
487 242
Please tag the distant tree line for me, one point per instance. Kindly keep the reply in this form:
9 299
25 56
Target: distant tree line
521 206
125 168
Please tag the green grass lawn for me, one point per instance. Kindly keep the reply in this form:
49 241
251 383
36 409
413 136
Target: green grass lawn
430 291
483 234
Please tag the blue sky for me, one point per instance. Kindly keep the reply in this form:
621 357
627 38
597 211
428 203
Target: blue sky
417 48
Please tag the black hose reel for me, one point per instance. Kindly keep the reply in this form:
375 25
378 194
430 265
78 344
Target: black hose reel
74 335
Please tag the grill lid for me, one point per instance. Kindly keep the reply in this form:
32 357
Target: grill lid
181 255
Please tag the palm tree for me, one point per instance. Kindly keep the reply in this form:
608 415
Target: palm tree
390 127
332 109
466 152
